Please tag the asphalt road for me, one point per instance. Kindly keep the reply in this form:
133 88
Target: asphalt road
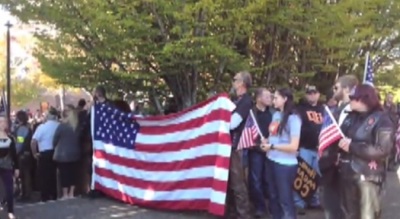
105 209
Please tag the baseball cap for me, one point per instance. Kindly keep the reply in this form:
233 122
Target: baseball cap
311 89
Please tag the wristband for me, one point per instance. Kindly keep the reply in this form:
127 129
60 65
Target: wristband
272 147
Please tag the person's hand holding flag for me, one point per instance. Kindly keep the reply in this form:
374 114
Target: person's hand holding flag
330 132
344 144
250 133
265 146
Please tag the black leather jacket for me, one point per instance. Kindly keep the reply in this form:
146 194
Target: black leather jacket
372 142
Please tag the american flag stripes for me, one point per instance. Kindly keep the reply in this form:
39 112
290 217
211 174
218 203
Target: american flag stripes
249 134
368 71
330 131
176 162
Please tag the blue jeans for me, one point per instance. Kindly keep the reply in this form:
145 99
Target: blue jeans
257 179
311 158
280 179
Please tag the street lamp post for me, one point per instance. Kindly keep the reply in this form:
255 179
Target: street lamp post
8 25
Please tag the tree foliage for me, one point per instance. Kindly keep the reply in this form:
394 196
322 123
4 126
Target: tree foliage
27 79
22 89
188 48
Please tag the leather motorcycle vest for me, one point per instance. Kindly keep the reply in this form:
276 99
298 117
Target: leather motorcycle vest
365 133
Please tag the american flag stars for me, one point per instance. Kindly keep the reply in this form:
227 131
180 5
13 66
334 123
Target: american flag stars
368 71
114 126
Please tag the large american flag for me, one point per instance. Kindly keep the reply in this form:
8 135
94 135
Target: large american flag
330 131
174 162
368 71
249 134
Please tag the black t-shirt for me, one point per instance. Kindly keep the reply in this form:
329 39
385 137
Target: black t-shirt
312 118
264 119
243 106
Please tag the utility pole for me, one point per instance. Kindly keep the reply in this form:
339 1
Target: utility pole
8 25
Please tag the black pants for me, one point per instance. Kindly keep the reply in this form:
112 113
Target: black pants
8 183
25 164
48 176
258 180
68 173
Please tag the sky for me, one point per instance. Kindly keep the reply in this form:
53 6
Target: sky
16 50
5 15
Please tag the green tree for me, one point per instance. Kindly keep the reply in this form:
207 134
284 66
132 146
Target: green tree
23 90
301 42
187 48
135 45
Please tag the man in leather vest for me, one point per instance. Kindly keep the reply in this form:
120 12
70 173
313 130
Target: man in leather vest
238 205
368 142
329 185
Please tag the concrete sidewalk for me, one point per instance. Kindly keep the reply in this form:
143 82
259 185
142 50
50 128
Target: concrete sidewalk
105 209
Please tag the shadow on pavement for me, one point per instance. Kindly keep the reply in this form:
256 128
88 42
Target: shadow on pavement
79 208
99 208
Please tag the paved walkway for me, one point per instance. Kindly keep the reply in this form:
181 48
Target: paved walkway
105 209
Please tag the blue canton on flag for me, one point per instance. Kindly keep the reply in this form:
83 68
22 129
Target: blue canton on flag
368 71
114 127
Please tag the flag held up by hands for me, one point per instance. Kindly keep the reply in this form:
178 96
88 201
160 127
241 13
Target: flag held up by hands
368 71
330 132
250 133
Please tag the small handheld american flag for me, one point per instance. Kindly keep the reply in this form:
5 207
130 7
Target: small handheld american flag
250 133
330 132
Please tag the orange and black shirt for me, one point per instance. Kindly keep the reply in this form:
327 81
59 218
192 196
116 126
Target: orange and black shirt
312 119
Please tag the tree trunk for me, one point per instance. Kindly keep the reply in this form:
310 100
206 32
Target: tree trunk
183 91
156 101
62 98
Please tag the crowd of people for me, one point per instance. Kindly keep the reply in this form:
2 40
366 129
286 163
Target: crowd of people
35 148
52 152
48 152
352 171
